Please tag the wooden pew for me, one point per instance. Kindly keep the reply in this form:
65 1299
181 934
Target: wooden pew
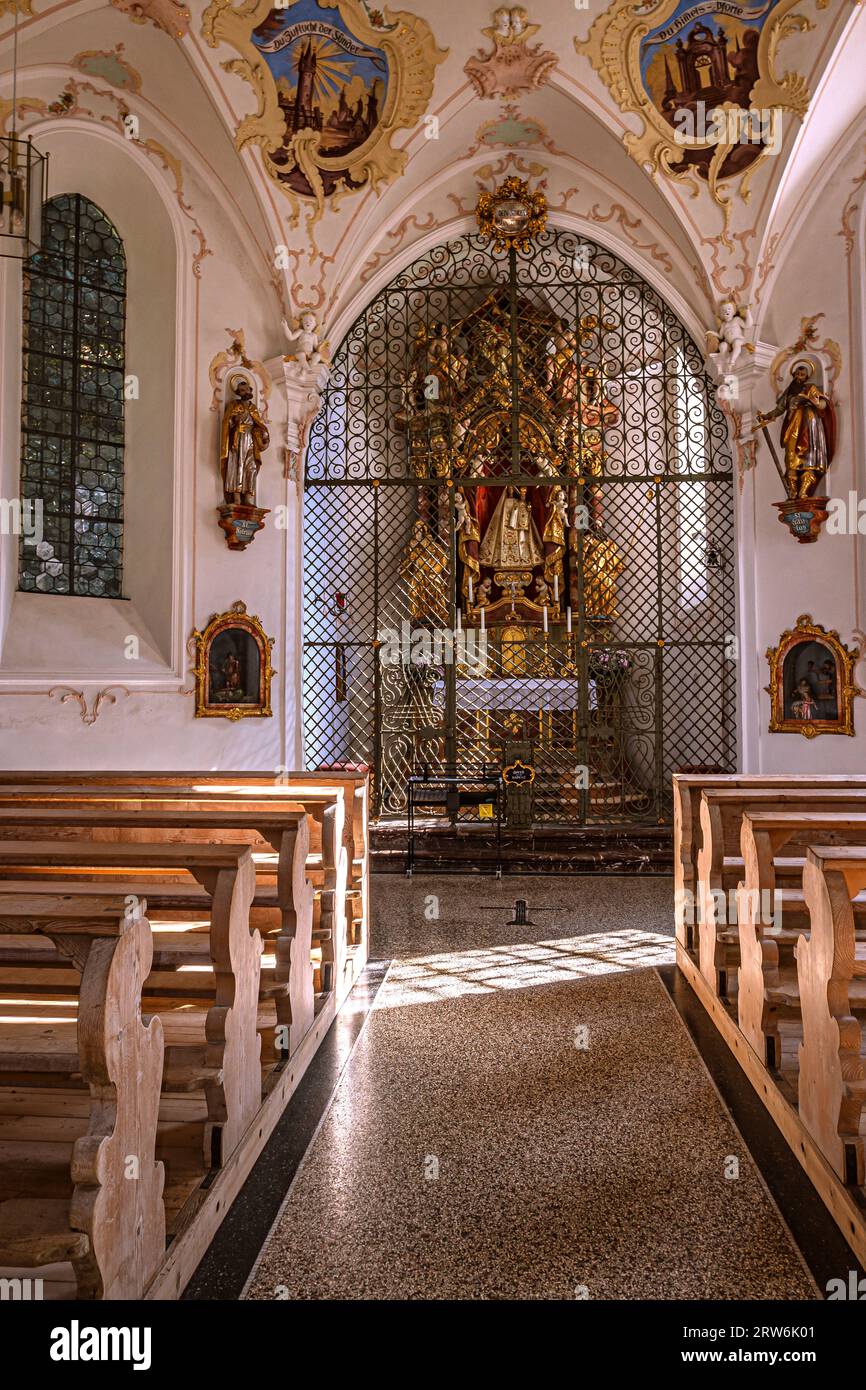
687 790
176 817
67 1193
225 1028
342 906
720 866
767 991
832 1070
353 785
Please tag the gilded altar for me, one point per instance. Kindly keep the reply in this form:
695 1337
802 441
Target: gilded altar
496 493
506 407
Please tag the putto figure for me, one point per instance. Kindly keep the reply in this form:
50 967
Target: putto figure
304 340
244 440
808 431
726 345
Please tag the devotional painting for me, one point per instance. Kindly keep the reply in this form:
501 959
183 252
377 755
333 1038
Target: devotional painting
233 667
334 83
812 685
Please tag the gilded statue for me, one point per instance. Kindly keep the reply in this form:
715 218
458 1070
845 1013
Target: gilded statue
582 410
424 569
602 565
434 380
555 534
243 440
468 538
808 431
511 541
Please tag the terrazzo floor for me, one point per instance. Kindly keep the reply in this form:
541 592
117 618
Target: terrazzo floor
525 1116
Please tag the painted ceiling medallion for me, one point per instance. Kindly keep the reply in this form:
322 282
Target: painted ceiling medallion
334 82
512 215
702 76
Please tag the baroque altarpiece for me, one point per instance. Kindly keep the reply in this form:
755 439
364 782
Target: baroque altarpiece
520 489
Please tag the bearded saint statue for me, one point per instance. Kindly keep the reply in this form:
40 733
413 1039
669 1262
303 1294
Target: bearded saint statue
808 431
243 441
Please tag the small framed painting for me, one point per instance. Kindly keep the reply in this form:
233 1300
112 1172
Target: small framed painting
812 684
233 667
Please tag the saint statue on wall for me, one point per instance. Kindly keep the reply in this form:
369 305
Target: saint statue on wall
808 431
243 441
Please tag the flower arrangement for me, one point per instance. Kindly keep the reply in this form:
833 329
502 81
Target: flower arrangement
603 662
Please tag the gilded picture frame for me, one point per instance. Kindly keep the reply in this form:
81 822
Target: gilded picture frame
359 76
620 48
233 668
812 685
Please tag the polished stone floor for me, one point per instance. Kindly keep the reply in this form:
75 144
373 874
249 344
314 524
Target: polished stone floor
451 912
524 1115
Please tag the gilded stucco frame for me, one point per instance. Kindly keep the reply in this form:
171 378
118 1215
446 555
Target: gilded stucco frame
412 54
846 686
236 617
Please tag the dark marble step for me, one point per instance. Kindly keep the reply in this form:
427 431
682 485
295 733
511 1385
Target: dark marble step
552 850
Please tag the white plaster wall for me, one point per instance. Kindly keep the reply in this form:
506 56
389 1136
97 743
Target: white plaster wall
178 570
779 578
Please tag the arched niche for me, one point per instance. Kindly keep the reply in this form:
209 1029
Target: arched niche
60 635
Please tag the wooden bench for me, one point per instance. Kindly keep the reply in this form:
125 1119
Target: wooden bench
68 1194
720 866
223 1030
687 790
354 787
832 1069
285 831
768 987
341 907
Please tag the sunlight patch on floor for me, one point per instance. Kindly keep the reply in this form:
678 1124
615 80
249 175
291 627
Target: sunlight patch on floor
452 974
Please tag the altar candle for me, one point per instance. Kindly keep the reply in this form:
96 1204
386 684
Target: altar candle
568 620
556 588
471 592
545 617
483 621
459 621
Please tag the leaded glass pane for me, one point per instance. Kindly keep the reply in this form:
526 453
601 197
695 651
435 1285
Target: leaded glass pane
72 410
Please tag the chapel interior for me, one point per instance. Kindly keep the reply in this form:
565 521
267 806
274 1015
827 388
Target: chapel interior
432 638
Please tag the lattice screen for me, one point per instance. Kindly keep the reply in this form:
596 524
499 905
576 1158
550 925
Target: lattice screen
643 683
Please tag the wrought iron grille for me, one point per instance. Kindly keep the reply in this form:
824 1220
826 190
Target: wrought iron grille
607 663
72 412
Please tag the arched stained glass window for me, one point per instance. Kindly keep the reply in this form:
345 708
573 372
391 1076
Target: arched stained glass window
73 394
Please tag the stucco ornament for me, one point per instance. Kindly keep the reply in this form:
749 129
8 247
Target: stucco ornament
513 66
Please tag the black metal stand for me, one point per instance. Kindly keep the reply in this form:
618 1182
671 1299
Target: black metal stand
451 794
